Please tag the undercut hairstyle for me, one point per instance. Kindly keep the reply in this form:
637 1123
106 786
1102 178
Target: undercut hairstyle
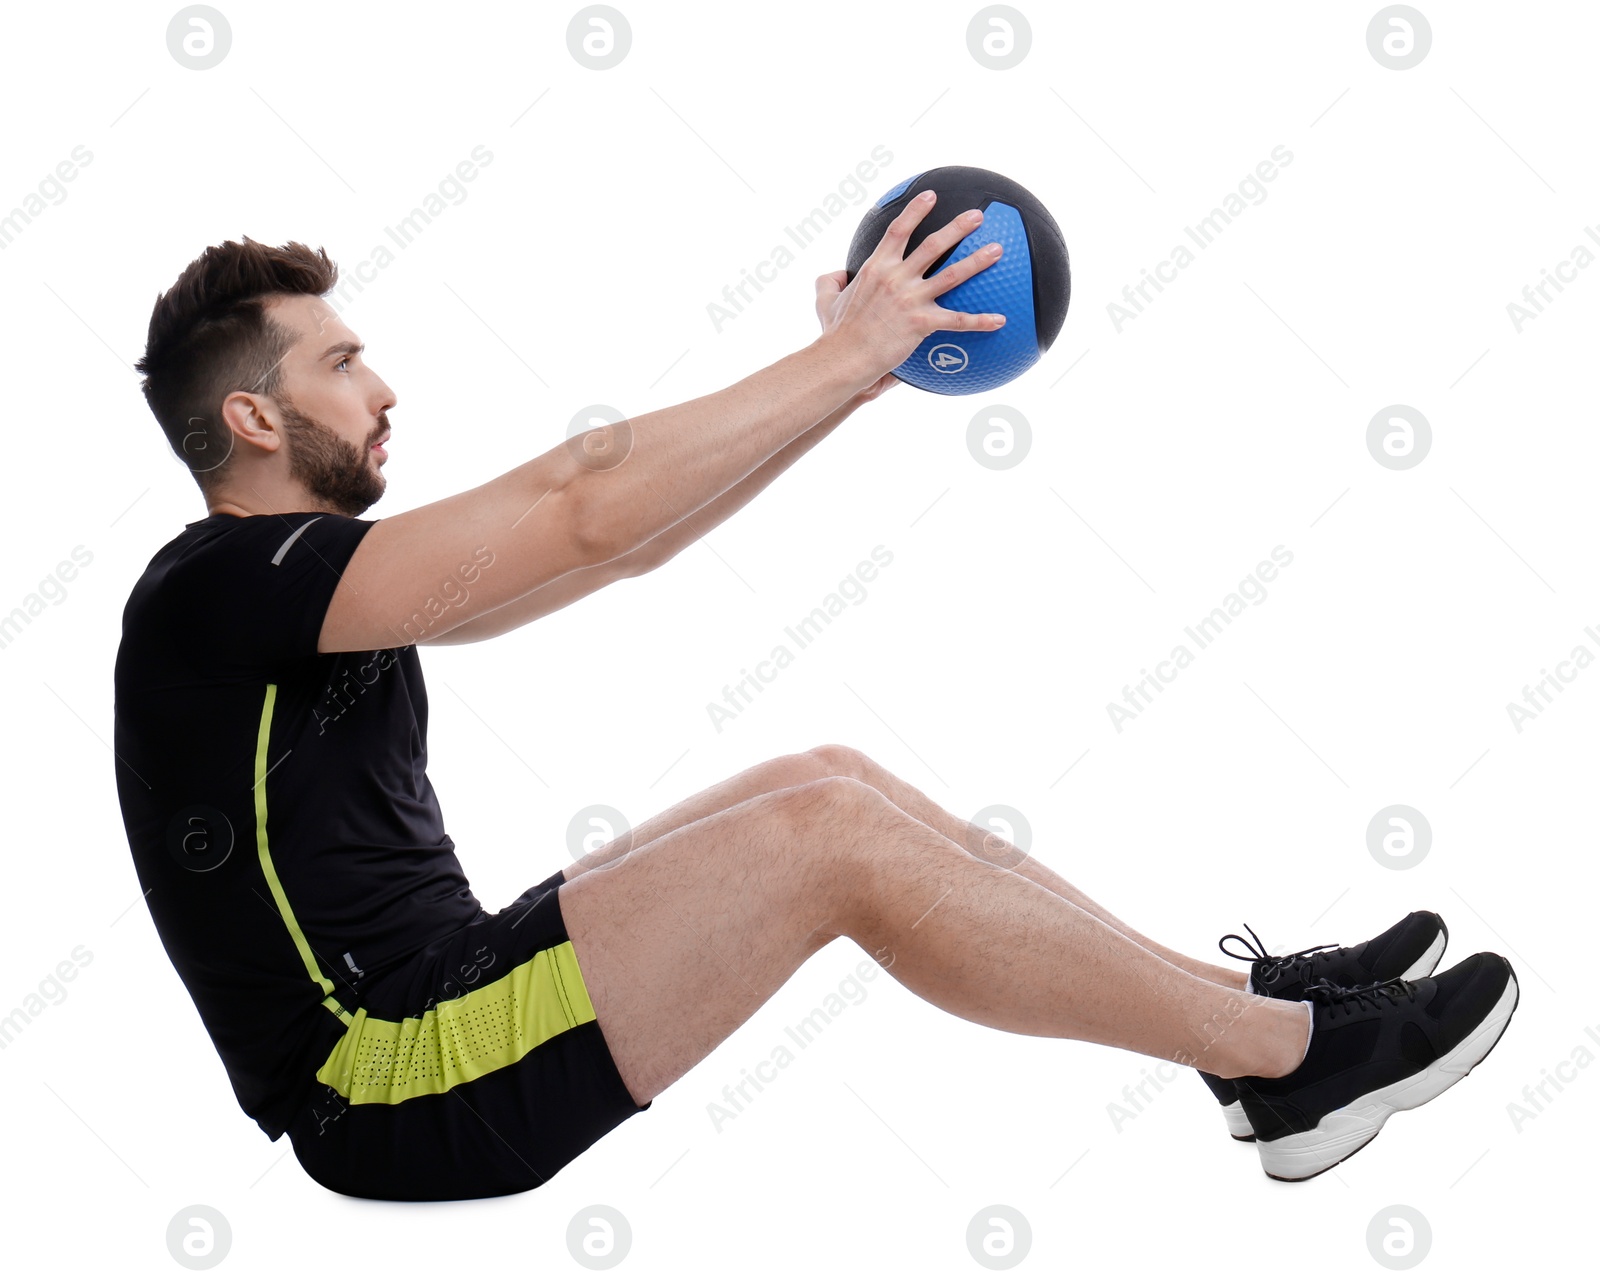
211 334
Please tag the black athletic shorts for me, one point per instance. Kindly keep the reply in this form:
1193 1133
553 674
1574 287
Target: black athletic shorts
475 1069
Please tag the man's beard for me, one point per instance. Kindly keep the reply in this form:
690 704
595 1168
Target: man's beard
330 468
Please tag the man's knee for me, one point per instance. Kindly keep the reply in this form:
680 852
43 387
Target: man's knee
806 765
828 808
842 760
840 830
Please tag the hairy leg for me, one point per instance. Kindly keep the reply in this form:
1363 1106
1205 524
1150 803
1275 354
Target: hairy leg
682 940
841 760
988 845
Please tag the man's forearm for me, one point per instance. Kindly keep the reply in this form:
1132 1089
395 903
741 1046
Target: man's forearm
682 458
652 554
684 533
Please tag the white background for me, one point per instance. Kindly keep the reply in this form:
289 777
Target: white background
1230 417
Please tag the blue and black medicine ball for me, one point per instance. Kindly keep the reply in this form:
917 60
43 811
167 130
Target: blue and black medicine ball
1030 284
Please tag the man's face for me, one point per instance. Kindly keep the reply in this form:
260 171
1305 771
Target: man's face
334 409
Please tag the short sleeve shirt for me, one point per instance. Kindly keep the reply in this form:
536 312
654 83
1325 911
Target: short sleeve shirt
276 798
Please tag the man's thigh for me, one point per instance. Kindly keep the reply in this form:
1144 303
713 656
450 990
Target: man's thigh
782 772
682 940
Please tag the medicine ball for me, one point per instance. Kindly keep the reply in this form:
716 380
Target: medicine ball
1030 284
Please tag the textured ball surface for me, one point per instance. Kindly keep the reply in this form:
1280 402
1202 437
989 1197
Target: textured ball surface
1030 285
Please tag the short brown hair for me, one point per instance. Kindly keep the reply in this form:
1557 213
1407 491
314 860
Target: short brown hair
210 335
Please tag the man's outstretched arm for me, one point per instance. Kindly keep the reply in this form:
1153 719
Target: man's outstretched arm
572 509
655 552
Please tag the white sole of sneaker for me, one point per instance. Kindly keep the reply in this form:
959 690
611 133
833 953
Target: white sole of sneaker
1424 965
1238 1124
1347 1130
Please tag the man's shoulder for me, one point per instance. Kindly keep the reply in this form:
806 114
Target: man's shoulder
231 533
225 541
215 559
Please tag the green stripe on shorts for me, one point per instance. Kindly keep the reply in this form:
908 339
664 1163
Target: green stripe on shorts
390 1061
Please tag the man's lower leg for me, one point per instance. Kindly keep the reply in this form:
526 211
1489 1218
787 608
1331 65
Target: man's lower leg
992 947
988 845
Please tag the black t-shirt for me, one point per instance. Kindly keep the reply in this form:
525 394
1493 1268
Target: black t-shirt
276 799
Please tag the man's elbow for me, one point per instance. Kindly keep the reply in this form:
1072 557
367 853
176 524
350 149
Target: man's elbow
591 534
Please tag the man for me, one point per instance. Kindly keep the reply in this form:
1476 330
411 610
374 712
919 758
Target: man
271 742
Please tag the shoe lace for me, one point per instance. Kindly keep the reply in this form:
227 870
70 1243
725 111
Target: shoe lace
1268 967
1352 999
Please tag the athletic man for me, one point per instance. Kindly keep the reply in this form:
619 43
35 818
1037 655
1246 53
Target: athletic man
271 743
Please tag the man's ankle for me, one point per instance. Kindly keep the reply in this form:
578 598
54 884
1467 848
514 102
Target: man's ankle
1291 1041
1280 1042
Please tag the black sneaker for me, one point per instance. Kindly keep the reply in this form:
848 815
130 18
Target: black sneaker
1375 1050
1232 1111
1409 950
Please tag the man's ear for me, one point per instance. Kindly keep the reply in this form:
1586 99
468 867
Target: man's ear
252 419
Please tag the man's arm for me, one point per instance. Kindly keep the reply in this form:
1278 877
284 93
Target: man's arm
653 553
576 506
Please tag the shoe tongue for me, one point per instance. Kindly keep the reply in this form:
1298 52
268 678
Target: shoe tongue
1290 990
1283 982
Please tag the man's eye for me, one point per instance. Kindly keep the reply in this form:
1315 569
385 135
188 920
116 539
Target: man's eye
345 360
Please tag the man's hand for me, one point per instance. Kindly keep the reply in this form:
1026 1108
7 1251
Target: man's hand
888 308
829 286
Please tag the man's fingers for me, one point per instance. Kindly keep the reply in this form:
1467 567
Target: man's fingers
944 239
962 321
959 272
892 247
